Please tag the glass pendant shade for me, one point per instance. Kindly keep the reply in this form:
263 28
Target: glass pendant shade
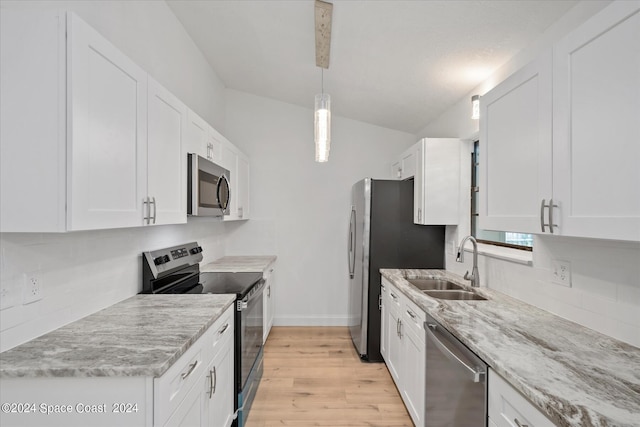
322 126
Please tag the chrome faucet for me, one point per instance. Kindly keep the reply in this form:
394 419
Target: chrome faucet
475 276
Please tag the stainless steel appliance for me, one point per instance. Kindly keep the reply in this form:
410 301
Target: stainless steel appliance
382 235
456 379
176 270
208 192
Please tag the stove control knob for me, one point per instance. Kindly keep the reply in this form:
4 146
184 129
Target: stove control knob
196 250
161 260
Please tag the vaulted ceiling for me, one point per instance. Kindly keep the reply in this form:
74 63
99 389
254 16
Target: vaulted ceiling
397 64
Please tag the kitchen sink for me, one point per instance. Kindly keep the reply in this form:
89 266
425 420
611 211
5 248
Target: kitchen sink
454 295
434 284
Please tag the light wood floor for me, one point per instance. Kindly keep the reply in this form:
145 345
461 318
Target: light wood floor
313 377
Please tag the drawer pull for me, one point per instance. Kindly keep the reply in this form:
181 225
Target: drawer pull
518 423
411 314
191 368
223 329
393 296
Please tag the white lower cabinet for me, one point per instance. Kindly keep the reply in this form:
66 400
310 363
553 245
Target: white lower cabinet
405 356
268 305
508 408
197 390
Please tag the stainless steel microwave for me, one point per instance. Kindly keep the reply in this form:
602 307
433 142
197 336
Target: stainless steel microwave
208 192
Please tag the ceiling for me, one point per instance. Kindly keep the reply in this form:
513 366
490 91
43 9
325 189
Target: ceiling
397 64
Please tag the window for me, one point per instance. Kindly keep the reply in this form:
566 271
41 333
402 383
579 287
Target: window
500 238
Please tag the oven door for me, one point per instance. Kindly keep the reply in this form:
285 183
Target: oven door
208 191
249 332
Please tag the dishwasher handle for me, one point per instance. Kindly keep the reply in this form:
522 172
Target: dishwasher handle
477 373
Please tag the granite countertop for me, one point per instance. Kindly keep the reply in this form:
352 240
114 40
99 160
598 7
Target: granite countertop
238 264
574 375
140 336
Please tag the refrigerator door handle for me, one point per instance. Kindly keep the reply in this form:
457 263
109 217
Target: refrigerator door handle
352 242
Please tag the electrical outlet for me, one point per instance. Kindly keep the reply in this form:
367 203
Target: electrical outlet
561 271
7 295
32 288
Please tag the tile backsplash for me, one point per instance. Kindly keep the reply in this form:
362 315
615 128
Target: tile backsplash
80 273
605 282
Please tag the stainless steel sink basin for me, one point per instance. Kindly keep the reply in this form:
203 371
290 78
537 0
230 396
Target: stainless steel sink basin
433 284
455 295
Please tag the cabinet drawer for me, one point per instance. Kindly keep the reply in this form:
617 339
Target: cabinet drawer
221 331
395 297
171 388
414 317
508 408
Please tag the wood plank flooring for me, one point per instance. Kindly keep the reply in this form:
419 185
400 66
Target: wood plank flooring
313 377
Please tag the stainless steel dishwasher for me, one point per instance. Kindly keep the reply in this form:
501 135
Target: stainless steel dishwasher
456 392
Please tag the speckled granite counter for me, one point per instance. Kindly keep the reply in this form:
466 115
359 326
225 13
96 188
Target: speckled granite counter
576 376
237 264
141 336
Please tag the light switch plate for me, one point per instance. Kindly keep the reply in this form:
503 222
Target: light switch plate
561 272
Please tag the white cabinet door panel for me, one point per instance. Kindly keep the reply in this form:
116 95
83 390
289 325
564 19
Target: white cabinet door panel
107 156
166 173
515 150
596 105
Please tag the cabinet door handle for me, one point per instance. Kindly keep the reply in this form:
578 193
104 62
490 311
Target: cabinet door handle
269 291
190 370
419 214
147 210
551 224
223 329
519 424
213 381
400 328
155 209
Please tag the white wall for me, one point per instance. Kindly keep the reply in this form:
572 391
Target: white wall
605 291
74 268
300 208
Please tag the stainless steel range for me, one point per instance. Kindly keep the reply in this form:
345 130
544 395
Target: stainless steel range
176 270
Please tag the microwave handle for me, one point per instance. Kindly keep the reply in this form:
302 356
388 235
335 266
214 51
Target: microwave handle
226 204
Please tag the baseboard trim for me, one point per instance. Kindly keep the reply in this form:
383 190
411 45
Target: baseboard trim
311 321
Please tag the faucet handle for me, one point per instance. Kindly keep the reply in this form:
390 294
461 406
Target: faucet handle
466 276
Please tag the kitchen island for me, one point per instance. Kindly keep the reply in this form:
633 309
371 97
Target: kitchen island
573 375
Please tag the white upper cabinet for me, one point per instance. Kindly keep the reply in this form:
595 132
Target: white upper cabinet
434 165
436 187
202 139
405 166
515 149
596 137
107 95
167 184
565 129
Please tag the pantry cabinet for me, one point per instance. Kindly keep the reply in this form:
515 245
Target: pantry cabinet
558 139
403 341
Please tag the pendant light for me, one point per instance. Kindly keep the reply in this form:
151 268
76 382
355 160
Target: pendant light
322 124
322 110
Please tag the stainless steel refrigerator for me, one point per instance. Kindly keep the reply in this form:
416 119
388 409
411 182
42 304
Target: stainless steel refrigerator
382 235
